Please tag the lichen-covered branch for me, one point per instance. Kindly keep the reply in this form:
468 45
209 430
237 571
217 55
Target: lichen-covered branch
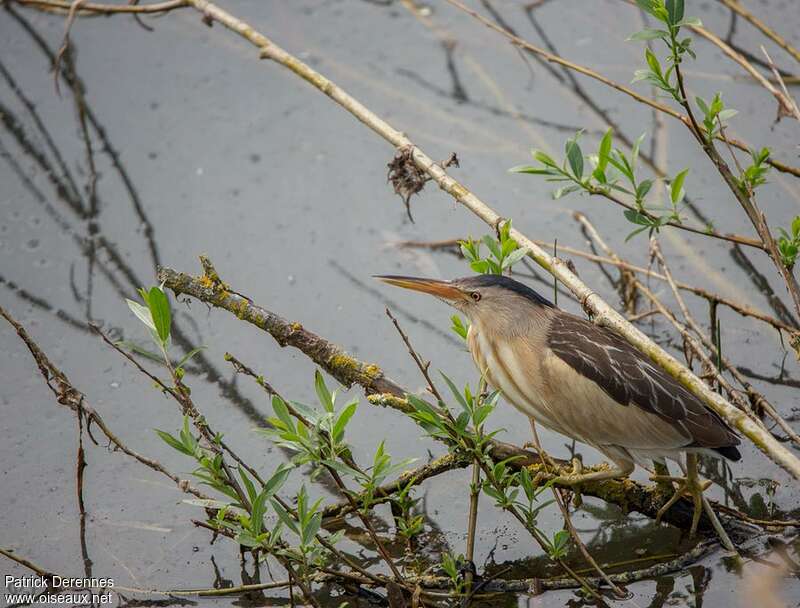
346 369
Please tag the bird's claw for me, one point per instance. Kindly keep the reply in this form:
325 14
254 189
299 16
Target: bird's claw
691 486
574 477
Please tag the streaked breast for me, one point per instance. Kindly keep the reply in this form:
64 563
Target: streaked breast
515 373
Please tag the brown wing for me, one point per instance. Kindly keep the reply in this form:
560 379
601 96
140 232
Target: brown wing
629 377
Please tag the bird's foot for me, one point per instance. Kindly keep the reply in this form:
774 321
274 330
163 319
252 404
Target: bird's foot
690 485
576 476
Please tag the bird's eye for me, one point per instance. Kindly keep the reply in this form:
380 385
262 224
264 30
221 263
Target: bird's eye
475 296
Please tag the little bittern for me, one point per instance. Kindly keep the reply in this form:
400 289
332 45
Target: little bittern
582 380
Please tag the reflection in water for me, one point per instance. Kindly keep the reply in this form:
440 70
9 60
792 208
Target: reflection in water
114 269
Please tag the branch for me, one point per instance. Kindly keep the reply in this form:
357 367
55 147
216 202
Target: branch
106 9
580 69
737 8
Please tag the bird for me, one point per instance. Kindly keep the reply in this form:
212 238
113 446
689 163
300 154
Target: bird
584 381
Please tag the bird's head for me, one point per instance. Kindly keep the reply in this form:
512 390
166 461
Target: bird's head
480 296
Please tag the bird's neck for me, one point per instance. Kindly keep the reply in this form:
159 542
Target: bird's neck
508 324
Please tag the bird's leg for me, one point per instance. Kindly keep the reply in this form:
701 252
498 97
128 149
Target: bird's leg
692 485
547 462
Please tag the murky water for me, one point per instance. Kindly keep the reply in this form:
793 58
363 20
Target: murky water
200 148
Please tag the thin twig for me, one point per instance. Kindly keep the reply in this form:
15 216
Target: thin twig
740 10
553 58
92 7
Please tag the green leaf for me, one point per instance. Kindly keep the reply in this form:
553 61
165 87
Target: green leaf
649 6
246 539
674 11
652 61
251 490
277 480
575 158
636 217
635 150
142 312
562 192
323 394
420 405
635 232
456 393
171 441
796 227
189 355
342 468
311 529
604 151
281 411
285 517
158 304
544 158
643 188
344 417
481 414
531 170
459 327
139 350
514 257
491 244
621 164
693 21
676 188
648 33
257 516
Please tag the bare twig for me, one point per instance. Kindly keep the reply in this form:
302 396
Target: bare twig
792 103
740 10
92 7
575 67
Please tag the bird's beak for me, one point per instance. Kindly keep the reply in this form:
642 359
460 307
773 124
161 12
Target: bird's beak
435 287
